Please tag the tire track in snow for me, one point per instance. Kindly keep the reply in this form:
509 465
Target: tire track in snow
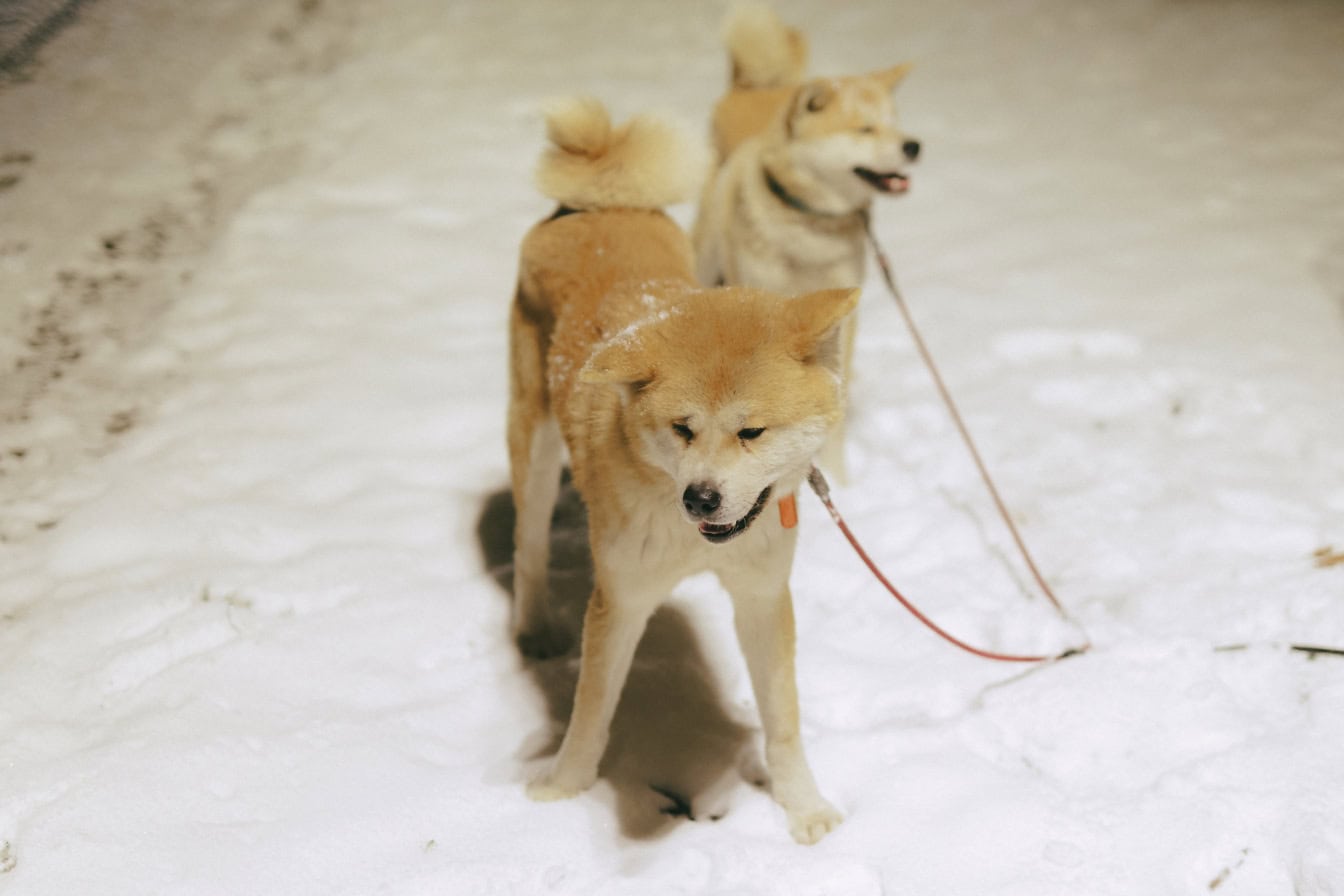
94 288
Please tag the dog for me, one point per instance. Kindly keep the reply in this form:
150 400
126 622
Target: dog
687 414
801 161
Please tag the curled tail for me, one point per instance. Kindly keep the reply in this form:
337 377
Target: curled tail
764 51
644 163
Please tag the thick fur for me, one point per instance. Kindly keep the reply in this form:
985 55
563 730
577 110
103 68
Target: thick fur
663 393
645 163
786 209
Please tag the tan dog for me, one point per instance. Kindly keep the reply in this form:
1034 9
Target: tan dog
787 208
687 413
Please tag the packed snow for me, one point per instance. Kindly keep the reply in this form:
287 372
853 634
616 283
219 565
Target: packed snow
257 261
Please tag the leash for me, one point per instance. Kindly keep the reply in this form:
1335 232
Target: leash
943 391
784 196
823 491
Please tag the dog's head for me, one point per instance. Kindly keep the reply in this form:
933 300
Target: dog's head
730 392
843 132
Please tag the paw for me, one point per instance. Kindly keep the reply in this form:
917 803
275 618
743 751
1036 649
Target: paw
549 789
548 792
810 825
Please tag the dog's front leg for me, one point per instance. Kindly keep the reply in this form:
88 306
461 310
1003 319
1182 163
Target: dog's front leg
612 627
763 618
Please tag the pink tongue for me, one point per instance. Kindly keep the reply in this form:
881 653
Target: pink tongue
895 183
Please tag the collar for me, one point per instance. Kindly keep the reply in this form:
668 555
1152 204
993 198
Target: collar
792 201
784 195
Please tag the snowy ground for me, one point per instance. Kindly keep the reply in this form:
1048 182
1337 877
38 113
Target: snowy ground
256 260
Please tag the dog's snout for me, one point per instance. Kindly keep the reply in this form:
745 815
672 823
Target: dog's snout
911 149
700 500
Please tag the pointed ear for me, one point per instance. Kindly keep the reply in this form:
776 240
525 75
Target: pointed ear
815 320
618 363
891 77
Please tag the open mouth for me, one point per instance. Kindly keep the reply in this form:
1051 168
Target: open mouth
888 182
719 533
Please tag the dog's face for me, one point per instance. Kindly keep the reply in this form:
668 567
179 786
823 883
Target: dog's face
843 132
728 392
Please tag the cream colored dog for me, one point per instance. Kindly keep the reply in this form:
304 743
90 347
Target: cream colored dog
687 414
801 163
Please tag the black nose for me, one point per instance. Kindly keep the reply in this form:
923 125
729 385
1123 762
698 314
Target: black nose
700 500
911 149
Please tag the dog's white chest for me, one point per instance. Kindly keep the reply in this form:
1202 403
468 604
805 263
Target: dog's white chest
664 548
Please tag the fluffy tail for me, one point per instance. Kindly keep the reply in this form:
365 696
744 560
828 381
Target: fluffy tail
764 51
644 163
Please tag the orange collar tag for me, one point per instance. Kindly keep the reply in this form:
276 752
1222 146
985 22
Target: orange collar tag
788 511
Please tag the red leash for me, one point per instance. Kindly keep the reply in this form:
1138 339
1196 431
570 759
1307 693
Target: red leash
820 486
956 417
823 490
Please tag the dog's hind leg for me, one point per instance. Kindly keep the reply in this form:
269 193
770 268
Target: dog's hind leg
763 617
536 455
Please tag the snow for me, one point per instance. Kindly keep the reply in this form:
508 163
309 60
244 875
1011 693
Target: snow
257 265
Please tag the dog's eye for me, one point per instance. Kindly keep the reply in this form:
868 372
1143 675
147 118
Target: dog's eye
747 435
684 431
868 129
